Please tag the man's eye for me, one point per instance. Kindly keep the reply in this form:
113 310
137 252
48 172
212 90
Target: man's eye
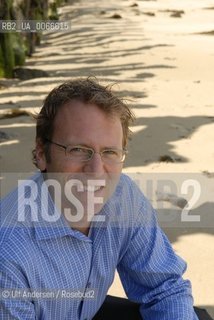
110 152
76 150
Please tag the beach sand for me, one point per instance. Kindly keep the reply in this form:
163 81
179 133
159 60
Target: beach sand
161 54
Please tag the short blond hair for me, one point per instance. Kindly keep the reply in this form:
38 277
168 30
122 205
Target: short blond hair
88 91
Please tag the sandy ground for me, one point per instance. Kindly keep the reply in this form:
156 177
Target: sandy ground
163 60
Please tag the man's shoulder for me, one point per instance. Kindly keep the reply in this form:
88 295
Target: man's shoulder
126 180
11 229
128 186
130 196
18 183
127 194
15 245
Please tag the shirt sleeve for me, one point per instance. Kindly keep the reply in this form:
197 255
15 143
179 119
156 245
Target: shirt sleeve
13 305
151 272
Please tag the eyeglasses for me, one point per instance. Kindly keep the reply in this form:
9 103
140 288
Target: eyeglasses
79 153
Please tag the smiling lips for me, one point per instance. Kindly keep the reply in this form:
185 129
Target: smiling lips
92 188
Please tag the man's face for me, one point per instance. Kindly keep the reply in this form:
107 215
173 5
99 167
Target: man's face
87 126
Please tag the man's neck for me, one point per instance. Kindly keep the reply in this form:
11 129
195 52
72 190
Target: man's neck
81 226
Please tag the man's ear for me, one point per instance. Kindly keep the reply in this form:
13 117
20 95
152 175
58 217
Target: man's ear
40 155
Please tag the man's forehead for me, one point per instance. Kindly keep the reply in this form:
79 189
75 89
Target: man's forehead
77 107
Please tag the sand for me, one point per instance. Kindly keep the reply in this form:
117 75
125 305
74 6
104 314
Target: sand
162 55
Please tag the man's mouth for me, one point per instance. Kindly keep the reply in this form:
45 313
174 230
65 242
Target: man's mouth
89 188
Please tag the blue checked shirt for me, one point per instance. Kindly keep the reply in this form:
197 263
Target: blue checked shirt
49 271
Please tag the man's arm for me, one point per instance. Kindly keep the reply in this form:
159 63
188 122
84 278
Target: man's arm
151 273
12 303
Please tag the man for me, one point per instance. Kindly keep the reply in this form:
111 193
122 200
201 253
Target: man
66 230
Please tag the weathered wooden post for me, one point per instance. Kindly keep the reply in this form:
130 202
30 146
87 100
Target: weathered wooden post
7 59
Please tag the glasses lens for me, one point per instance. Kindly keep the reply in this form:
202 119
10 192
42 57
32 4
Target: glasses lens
113 155
79 153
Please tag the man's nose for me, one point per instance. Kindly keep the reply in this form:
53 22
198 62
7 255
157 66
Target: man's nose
95 165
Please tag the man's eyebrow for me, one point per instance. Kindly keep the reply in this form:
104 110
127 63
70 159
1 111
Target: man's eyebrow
111 147
90 147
